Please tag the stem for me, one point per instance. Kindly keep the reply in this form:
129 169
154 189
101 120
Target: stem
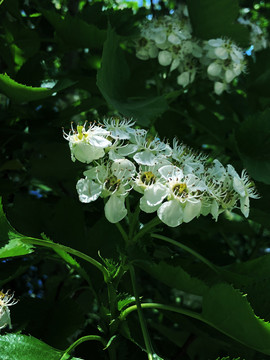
122 231
138 307
175 309
79 341
186 248
132 224
154 222
69 250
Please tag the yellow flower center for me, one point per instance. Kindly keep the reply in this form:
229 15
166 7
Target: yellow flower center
81 134
148 178
112 183
180 190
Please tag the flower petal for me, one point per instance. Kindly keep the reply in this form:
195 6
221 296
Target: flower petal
88 190
123 169
86 153
147 208
244 205
155 194
145 158
191 210
99 141
115 209
171 213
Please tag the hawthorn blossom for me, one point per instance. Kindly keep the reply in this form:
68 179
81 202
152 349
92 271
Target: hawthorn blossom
111 180
87 145
176 182
6 300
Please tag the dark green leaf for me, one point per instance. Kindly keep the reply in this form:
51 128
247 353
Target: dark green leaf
113 81
176 277
23 93
10 239
213 19
230 312
22 347
253 141
75 32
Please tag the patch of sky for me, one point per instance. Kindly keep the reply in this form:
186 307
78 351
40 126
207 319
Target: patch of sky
249 50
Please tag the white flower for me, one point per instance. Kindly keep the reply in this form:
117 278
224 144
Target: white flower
119 151
187 158
87 145
244 187
147 176
214 69
164 58
219 87
6 300
183 79
182 192
111 180
119 129
146 49
150 152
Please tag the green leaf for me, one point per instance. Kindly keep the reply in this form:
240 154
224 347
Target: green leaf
229 311
253 141
75 32
125 301
113 82
22 347
10 239
212 19
258 77
23 93
175 277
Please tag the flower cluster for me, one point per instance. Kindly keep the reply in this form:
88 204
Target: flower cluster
258 36
6 300
170 40
173 181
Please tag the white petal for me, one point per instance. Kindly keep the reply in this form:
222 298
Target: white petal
127 150
164 58
99 141
214 210
88 190
215 42
214 69
160 36
86 153
219 87
175 64
169 171
147 208
191 210
145 157
221 53
5 317
115 209
183 79
244 205
171 213
172 38
153 52
155 194
239 187
123 169
229 75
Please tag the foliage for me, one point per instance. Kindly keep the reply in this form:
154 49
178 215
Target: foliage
139 288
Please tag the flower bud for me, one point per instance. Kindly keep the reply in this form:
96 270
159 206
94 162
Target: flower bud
164 58
214 69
